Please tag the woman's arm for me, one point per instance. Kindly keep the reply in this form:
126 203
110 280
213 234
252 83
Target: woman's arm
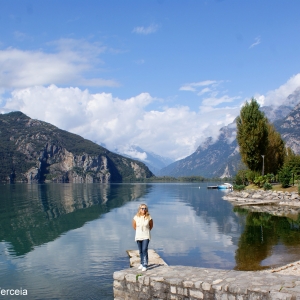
151 224
134 224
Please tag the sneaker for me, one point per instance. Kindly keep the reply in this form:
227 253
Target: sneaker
144 269
140 267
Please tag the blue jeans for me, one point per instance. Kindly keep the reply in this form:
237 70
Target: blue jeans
143 249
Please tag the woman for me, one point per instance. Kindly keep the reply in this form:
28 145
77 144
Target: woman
142 223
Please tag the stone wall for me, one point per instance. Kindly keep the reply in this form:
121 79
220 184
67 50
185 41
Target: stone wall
260 196
182 283
272 202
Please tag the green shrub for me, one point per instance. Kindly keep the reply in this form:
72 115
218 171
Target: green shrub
285 176
241 177
299 189
267 186
237 187
238 180
260 181
251 175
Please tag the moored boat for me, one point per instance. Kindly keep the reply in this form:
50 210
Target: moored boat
225 186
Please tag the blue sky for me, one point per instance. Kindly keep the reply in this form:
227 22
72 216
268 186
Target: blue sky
163 75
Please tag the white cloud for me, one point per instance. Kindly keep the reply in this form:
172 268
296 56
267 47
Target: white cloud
211 93
66 64
204 91
214 101
194 85
257 42
174 132
146 30
277 96
133 153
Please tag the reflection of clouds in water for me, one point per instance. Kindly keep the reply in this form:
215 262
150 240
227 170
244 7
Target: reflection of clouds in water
95 247
98 241
181 229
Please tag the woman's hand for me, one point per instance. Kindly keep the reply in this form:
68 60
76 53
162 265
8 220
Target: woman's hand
151 224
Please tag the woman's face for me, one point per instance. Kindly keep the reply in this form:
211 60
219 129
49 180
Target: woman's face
143 210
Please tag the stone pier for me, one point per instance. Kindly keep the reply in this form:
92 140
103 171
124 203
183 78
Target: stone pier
182 283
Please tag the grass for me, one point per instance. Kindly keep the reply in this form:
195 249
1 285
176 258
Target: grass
276 187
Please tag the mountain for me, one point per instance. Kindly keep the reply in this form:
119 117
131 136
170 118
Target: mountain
218 158
289 128
221 158
36 151
274 113
153 161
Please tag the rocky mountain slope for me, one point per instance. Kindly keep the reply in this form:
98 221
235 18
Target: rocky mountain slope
35 151
221 158
289 128
274 113
218 158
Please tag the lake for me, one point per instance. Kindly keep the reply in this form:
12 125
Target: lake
64 241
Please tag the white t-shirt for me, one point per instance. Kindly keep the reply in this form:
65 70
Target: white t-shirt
142 231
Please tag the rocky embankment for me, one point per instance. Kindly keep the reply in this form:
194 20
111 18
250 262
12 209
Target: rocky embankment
273 202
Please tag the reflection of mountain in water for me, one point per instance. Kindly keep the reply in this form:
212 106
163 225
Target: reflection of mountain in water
262 232
31 215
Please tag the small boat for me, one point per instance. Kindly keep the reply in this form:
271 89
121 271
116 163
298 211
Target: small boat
212 187
225 186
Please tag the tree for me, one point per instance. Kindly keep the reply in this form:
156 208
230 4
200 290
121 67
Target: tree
275 152
285 176
252 135
292 162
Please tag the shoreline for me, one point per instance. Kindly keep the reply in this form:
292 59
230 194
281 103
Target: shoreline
278 203
288 269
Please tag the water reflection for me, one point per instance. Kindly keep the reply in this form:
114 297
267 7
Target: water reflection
32 215
261 237
193 226
66 240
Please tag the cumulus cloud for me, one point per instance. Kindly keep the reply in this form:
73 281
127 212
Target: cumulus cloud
130 151
68 63
173 132
146 30
277 96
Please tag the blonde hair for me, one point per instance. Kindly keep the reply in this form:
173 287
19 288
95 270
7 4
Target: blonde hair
138 214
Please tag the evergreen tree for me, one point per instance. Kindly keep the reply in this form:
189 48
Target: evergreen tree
252 135
276 152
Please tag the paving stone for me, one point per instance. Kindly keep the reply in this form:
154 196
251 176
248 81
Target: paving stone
119 275
188 283
196 294
130 278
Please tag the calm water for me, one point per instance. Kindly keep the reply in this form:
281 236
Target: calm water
64 241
